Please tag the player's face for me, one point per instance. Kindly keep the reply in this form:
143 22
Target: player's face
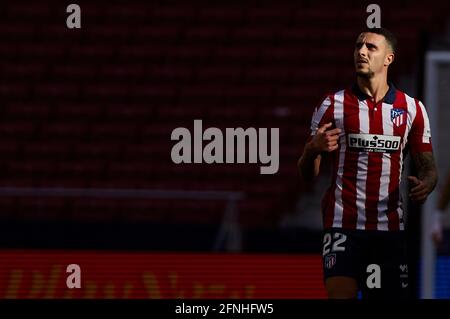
372 55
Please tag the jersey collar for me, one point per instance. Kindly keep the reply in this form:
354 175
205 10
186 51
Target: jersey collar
389 98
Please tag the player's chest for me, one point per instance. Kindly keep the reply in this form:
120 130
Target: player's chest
371 118
370 127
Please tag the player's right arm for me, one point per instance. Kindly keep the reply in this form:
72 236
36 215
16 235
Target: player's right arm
323 141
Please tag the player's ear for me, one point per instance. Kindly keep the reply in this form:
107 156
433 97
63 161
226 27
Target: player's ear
389 59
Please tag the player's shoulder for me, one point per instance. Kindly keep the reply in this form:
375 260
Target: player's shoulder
324 102
339 92
412 102
328 97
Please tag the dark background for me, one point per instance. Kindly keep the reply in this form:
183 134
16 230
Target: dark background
95 107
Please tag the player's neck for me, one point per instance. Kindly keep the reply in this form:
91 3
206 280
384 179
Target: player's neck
376 87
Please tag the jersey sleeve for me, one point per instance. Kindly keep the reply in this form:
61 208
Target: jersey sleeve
323 114
420 134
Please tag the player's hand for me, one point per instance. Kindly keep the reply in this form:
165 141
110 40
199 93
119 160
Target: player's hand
326 141
436 227
419 190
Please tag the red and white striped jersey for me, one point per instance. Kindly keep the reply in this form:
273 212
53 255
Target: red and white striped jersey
367 166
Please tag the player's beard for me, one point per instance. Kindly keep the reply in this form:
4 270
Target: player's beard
365 75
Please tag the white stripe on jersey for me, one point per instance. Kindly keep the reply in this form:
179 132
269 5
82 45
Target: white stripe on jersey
339 119
411 104
426 125
318 114
383 199
363 163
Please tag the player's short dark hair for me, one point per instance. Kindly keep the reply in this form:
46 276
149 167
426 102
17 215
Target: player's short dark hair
388 35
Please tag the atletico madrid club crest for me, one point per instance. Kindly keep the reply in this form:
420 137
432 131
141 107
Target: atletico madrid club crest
330 261
398 117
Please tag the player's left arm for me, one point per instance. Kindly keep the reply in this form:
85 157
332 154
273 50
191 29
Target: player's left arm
422 155
426 179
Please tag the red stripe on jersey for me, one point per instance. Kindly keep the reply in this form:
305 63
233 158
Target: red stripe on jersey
350 215
417 132
394 189
329 198
375 164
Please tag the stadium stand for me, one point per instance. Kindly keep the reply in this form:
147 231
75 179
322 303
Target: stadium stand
95 107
